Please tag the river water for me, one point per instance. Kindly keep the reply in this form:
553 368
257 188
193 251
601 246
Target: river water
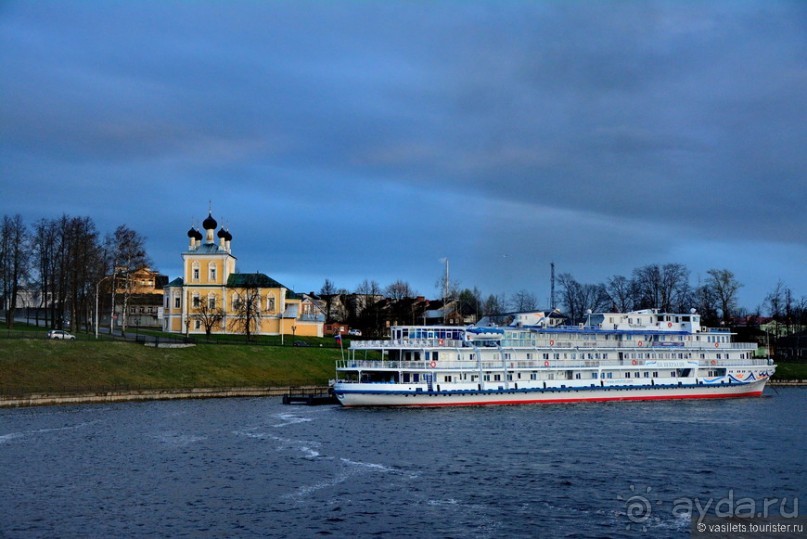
257 468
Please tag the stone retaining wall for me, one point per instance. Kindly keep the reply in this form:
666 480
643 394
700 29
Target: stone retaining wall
146 395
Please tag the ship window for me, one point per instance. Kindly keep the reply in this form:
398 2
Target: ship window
655 374
647 374
610 375
577 376
487 378
497 377
594 375
533 376
672 374
529 355
448 378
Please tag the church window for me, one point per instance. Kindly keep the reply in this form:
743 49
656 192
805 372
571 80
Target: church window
195 271
212 273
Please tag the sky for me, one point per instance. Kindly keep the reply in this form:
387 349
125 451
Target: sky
374 140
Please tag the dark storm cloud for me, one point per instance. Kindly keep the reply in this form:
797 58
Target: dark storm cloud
532 130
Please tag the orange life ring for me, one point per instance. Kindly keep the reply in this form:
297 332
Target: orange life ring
714 362
634 362
717 344
551 342
433 364
669 324
640 343
546 364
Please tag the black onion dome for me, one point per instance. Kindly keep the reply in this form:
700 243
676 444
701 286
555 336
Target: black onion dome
222 233
192 232
197 234
228 236
209 223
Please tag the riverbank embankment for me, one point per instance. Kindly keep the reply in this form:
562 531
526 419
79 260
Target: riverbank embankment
45 399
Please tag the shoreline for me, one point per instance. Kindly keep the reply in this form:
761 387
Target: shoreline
91 397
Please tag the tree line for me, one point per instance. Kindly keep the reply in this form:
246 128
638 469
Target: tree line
58 265
61 263
663 286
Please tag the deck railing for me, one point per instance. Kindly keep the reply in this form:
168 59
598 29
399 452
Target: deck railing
415 344
469 365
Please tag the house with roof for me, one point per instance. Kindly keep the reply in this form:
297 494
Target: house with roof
213 297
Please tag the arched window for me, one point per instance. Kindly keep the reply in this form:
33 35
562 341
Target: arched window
270 303
195 271
212 272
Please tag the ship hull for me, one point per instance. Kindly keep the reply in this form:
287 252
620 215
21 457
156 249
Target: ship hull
353 396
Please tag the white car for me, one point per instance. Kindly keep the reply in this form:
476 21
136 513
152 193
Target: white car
354 333
61 334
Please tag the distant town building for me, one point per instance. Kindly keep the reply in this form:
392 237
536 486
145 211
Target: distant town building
213 297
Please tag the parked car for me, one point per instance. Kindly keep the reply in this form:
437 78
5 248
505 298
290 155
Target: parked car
354 333
61 334
301 343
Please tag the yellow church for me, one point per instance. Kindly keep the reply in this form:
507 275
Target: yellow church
214 298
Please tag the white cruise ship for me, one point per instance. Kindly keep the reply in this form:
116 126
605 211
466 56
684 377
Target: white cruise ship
640 355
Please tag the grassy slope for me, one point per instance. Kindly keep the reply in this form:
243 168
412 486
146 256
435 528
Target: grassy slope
28 365
39 365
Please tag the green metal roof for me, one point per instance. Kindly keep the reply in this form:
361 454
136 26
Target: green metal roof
259 280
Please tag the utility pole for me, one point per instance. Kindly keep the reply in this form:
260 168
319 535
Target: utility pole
552 288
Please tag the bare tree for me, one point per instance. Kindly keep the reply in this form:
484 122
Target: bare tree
399 290
246 306
128 255
44 248
621 292
14 262
776 301
327 292
664 287
723 286
578 298
707 304
523 300
208 314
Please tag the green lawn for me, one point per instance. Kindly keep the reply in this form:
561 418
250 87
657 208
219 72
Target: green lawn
39 365
34 365
791 371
